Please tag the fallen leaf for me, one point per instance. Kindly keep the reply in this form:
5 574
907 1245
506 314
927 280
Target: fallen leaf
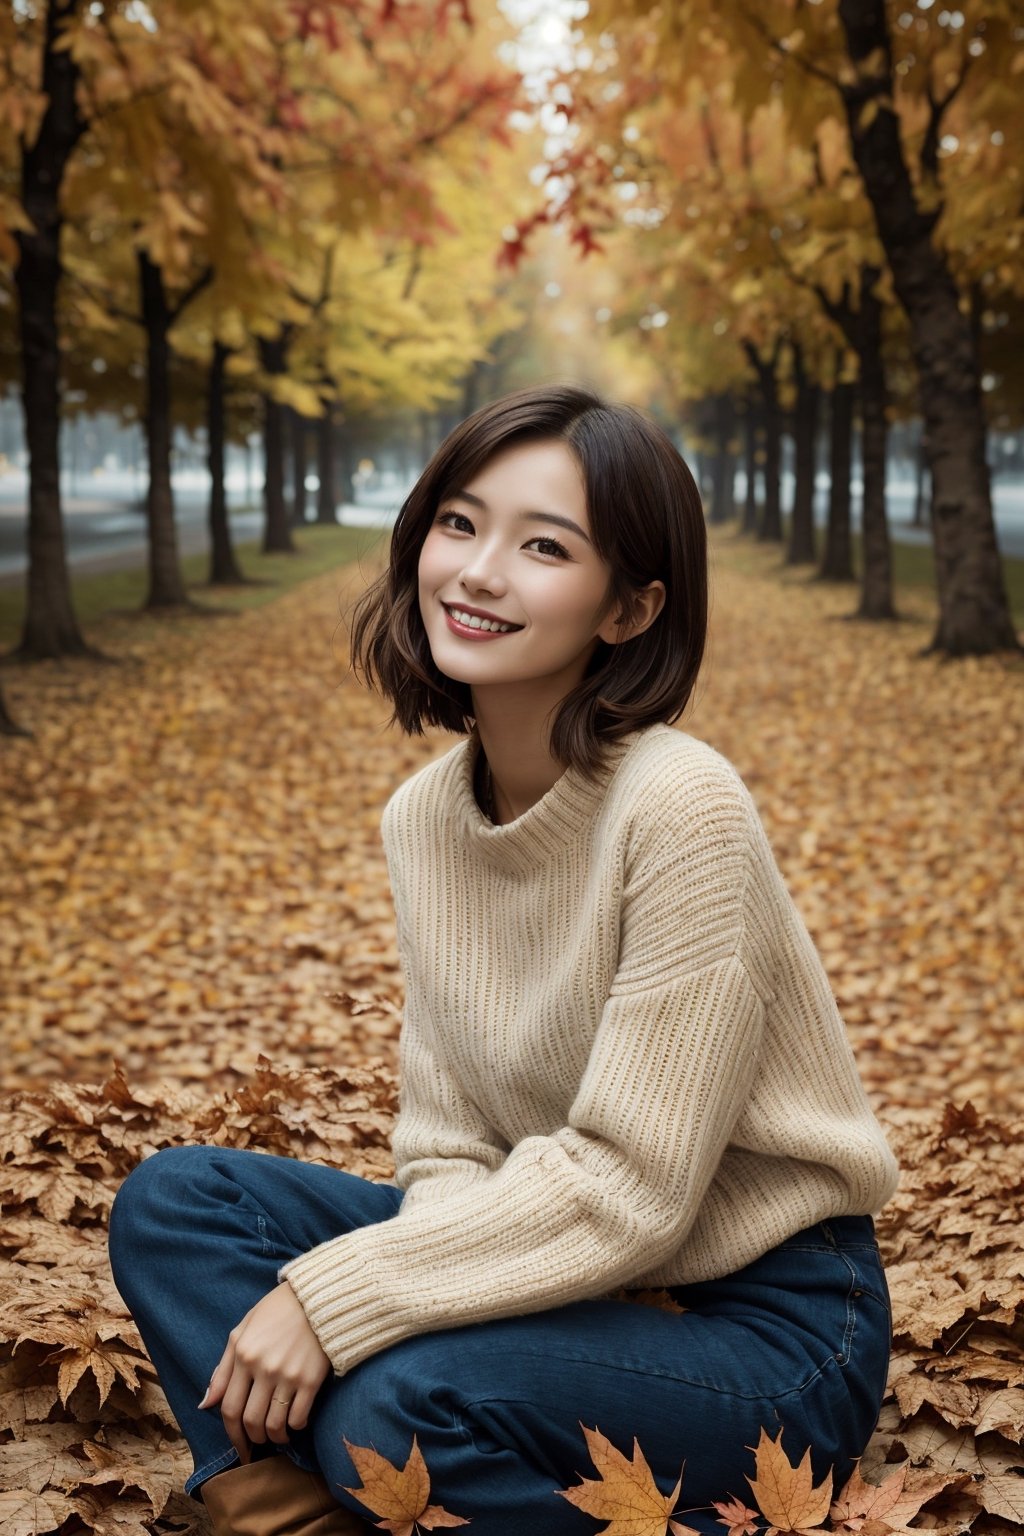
624 1492
735 1515
25 1513
1002 1411
891 1501
40 1459
400 1496
785 1494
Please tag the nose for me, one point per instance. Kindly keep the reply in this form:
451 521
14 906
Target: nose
482 571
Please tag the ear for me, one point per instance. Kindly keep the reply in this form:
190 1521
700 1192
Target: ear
647 604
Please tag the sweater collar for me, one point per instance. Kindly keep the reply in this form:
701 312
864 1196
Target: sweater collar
553 821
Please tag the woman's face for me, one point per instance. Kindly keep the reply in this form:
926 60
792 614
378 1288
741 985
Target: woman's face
514 543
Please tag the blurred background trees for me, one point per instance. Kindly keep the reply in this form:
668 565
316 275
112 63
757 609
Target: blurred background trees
790 230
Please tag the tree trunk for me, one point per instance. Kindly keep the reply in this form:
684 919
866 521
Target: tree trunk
723 465
805 439
50 627
224 569
471 389
771 516
921 498
166 584
974 615
277 534
750 459
326 496
876 577
8 727
344 467
300 465
837 557
771 520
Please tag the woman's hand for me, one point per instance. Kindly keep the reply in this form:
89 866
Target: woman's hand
270 1372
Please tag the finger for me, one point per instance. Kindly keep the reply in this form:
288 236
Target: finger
279 1415
236 1397
254 1414
220 1378
302 1402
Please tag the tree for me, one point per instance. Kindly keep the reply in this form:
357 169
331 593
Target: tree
201 155
974 613
839 58
50 126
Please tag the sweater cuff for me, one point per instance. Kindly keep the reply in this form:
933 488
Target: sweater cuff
344 1303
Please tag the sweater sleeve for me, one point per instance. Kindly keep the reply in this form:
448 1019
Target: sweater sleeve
613 1192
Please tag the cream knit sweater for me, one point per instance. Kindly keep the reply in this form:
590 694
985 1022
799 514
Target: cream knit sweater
621 1059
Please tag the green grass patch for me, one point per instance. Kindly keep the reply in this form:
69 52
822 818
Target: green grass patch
319 548
913 565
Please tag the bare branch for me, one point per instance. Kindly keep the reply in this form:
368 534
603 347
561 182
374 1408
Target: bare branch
710 142
776 45
936 111
204 280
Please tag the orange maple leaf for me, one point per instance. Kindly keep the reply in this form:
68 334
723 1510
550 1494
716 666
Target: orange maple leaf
891 1501
624 1492
399 1496
784 1493
740 1520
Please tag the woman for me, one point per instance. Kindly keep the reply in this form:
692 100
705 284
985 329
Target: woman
622 1065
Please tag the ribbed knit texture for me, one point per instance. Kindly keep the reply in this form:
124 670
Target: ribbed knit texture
621 1059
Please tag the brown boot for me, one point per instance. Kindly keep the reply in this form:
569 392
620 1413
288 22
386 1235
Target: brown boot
274 1497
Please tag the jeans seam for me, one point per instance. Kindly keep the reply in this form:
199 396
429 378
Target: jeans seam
208 1469
220 1463
851 1314
649 1371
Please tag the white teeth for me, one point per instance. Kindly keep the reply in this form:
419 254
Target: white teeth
474 621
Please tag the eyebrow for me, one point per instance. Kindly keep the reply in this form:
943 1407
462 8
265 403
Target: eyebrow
531 515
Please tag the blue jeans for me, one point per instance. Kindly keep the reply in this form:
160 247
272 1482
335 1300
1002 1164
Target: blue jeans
798 1340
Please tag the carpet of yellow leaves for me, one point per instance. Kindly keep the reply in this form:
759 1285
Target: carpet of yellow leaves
194 866
197 944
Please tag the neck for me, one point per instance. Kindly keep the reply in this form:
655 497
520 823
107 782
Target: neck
516 743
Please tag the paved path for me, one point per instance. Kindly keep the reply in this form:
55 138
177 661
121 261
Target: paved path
104 534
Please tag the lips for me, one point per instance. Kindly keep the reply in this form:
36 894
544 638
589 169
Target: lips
479 613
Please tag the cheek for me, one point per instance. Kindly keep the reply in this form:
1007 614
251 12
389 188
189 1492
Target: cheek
431 569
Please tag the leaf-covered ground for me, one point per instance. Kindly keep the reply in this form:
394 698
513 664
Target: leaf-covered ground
194 880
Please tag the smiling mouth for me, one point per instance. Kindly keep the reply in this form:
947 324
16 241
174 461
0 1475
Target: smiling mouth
463 621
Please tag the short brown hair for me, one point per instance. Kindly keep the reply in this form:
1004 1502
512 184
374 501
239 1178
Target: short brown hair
647 523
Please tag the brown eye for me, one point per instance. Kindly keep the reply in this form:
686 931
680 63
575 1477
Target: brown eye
556 549
443 518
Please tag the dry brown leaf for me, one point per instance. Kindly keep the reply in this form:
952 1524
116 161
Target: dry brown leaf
785 1494
401 1496
624 1492
42 1458
1002 1411
1002 1487
25 1513
112 1515
956 1401
104 1359
924 1305
736 1517
135 1463
893 1503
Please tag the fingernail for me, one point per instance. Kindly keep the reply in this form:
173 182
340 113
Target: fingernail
202 1400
